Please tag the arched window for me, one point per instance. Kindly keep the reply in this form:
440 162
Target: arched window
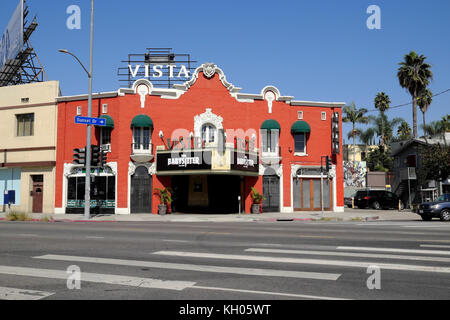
209 133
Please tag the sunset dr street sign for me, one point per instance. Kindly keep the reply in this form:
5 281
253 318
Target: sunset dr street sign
90 121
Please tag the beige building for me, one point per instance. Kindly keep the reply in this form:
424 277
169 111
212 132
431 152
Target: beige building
28 126
361 151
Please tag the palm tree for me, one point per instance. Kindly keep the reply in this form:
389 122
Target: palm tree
404 131
381 123
368 138
414 75
432 129
424 101
382 102
445 123
354 115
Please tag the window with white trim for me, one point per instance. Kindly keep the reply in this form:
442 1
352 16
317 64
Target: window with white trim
142 138
300 143
209 133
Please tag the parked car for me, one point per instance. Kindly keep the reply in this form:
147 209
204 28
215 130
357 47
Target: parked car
437 209
377 199
348 201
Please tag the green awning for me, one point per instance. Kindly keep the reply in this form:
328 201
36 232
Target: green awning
301 127
142 121
109 121
271 125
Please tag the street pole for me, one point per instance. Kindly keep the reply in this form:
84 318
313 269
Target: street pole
87 195
321 186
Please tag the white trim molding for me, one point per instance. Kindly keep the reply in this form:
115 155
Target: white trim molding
207 118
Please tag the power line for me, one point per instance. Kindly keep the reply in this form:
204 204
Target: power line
410 103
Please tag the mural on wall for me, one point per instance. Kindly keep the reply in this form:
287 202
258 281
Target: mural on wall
355 174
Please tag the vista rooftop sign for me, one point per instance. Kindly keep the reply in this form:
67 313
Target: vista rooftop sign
157 71
160 66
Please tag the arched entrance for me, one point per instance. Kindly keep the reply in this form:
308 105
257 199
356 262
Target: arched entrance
271 191
141 191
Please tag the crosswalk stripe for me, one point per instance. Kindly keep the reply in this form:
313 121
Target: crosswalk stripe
387 266
270 293
98 278
436 252
434 246
22 294
199 268
350 254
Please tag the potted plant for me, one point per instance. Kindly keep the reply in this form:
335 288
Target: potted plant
165 197
257 200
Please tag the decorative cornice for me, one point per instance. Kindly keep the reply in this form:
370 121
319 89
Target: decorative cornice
209 70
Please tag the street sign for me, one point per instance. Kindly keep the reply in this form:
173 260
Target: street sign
90 121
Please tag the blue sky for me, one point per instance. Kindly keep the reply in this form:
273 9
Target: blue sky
313 50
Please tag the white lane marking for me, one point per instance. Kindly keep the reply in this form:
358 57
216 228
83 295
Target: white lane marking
434 246
427 226
27 235
95 238
437 252
350 254
199 268
178 241
292 295
339 263
22 294
99 278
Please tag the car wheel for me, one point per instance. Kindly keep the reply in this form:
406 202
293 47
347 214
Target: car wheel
426 218
376 205
445 215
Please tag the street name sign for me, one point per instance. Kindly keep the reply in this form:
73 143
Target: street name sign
91 121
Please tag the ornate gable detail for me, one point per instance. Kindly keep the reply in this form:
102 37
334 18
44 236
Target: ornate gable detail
208 70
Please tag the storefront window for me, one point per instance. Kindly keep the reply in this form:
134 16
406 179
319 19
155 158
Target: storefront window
102 189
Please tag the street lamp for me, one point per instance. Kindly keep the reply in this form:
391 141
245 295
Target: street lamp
87 192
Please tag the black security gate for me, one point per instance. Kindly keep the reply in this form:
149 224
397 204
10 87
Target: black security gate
141 191
271 191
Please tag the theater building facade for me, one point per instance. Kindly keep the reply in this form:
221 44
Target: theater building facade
205 140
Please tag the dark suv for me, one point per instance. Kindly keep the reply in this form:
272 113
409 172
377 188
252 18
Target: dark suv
377 199
438 209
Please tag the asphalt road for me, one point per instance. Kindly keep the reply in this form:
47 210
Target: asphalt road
225 261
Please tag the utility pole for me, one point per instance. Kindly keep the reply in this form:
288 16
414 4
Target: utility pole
87 196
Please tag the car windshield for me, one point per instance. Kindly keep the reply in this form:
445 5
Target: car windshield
444 197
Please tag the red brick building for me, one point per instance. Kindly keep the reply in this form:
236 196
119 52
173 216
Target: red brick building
207 141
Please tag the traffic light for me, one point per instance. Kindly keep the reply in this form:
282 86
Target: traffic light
336 135
79 156
95 155
329 163
102 159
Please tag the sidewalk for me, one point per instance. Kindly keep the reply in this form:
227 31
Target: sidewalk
348 215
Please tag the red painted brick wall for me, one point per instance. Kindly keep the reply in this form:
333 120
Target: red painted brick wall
169 115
